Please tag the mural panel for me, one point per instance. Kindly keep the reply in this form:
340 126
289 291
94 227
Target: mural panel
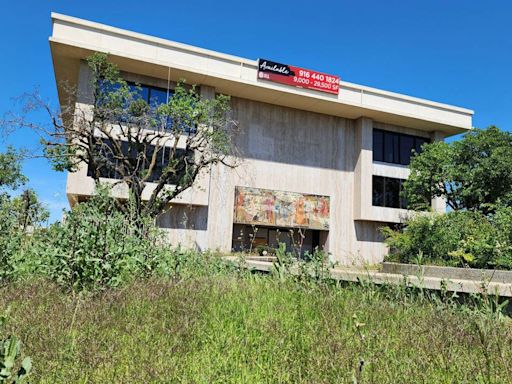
256 206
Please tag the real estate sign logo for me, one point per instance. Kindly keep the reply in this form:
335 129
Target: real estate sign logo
297 77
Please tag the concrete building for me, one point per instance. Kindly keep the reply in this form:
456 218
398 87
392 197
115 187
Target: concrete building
330 163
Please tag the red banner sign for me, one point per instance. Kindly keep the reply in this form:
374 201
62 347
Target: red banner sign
297 77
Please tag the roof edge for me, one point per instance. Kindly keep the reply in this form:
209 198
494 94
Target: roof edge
245 61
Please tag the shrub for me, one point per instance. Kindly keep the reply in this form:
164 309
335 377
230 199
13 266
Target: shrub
98 246
12 367
501 222
9 238
265 250
20 226
458 238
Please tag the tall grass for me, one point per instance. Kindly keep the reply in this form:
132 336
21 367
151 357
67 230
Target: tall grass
98 299
254 329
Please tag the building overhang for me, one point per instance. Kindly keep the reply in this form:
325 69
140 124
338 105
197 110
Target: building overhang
74 39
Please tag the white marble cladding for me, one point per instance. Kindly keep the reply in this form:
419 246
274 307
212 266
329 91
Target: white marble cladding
238 76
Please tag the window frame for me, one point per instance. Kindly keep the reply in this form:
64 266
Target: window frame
169 92
394 141
149 89
162 161
383 199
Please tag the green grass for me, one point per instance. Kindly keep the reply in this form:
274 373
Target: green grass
229 329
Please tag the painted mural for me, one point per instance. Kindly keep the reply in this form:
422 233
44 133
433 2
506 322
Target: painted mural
281 209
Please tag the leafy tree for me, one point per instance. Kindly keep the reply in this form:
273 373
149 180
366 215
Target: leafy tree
474 173
24 210
457 238
158 150
10 169
18 216
28 210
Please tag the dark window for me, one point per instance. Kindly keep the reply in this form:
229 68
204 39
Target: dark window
110 167
104 161
139 92
406 147
386 192
107 87
391 148
419 141
378 191
403 200
395 148
157 96
154 96
378 145
391 192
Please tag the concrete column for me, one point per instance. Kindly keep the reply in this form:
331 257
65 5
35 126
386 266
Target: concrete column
437 136
438 203
364 167
77 182
220 199
84 94
207 92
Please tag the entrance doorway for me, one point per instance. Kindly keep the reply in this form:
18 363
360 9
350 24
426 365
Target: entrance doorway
247 238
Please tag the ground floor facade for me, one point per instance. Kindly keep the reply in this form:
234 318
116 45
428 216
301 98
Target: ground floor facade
304 179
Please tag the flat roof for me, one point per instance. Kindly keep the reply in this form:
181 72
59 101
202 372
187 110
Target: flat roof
73 39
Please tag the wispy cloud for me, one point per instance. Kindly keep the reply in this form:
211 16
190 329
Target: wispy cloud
55 205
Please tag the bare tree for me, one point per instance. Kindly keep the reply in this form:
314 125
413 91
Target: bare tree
120 135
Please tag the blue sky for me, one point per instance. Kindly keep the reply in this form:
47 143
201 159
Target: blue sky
457 51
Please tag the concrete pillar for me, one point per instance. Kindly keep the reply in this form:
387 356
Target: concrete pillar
438 203
220 199
364 167
83 113
207 92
